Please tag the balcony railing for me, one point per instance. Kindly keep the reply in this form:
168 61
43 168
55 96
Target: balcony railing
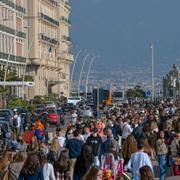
12 31
53 2
14 6
68 57
66 38
65 20
49 19
49 40
67 4
19 59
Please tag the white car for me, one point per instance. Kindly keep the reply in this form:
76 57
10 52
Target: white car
87 112
74 100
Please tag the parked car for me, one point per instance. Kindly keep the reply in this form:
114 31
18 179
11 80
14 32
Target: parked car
87 112
7 115
53 117
50 104
74 100
68 107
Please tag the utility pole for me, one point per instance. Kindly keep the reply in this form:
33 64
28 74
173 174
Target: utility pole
152 62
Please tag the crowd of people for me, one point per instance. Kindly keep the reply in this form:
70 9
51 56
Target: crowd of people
121 144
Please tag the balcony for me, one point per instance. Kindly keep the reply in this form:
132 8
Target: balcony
67 5
67 57
14 6
49 40
12 31
66 38
48 19
13 58
64 19
54 3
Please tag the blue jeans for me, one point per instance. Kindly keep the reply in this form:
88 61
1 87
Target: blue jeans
162 160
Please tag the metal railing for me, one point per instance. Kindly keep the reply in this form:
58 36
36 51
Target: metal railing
53 2
12 57
49 19
65 20
66 38
14 6
12 31
49 40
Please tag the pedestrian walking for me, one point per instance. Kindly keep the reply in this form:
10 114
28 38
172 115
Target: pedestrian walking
162 151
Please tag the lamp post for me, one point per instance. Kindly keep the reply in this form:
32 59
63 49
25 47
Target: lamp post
80 76
152 70
89 70
75 60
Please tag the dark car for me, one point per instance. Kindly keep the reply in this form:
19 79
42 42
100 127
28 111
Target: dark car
7 115
67 107
53 116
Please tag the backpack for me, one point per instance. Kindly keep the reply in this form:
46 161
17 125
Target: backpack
15 122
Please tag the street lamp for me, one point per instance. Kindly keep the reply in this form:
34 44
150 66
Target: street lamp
75 60
80 76
152 63
89 70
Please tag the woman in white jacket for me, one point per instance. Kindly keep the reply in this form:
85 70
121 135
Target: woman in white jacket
48 170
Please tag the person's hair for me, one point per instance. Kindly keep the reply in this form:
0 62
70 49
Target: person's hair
91 173
76 133
20 157
42 158
140 145
35 144
55 146
64 162
147 147
87 153
31 165
146 173
159 134
4 161
36 141
129 146
58 129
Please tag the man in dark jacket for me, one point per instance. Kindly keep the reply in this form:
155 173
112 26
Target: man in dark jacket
74 146
95 141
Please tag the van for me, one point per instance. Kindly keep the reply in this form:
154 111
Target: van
74 100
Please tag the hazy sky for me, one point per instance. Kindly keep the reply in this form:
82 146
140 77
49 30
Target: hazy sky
122 31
